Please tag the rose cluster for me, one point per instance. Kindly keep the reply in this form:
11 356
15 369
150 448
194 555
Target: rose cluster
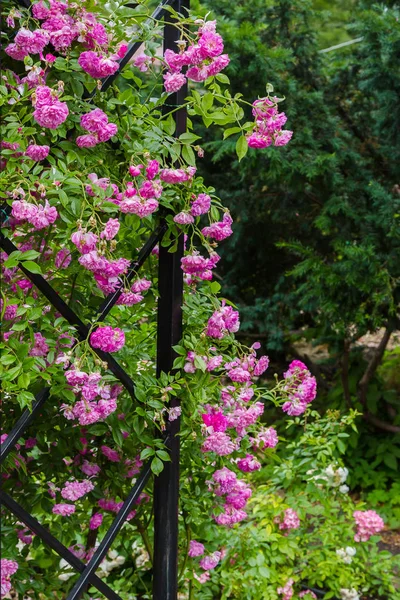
268 125
38 215
97 400
62 24
194 265
49 111
100 130
301 388
203 59
7 568
290 520
368 523
142 194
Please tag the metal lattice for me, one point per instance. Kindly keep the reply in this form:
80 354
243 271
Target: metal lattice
169 332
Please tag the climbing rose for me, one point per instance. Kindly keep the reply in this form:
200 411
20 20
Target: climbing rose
49 111
220 443
195 549
283 138
27 42
173 82
225 480
177 175
63 258
210 562
64 510
223 321
183 218
108 339
255 140
200 205
90 469
36 152
220 230
7 568
39 216
85 242
96 65
111 229
301 388
266 438
100 130
40 347
216 420
73 490
95 521
248 464
111 454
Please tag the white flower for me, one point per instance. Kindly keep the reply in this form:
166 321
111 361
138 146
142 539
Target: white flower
347 594
346 554
344 489
65 576
336 477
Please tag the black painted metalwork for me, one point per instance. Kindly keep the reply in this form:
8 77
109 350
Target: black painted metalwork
111 534
53 543
27 417
133 47
169 333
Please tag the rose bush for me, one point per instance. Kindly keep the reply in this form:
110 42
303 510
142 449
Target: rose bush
305 529
87 175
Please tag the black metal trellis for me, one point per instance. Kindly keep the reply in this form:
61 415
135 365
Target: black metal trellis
169 332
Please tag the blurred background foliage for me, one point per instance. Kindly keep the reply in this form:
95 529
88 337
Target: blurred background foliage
314 262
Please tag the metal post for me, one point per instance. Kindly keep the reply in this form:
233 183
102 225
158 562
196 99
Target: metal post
169 333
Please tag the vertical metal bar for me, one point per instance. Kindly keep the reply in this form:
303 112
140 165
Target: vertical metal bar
169 333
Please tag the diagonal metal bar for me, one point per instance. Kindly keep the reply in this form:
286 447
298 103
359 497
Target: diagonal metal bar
34 525
87 574
133 47
22 424
58 303
135 265
28 416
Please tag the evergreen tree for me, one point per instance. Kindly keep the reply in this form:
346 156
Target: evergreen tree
326 210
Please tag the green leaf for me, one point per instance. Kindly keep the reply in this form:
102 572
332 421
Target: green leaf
24 380
231 131
30 255
207 101
157 465
222 78
146 453
241 147
163 455
7 359
12 373
215 287
189 138
31 266
188 155
200 363
179 350
391 461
